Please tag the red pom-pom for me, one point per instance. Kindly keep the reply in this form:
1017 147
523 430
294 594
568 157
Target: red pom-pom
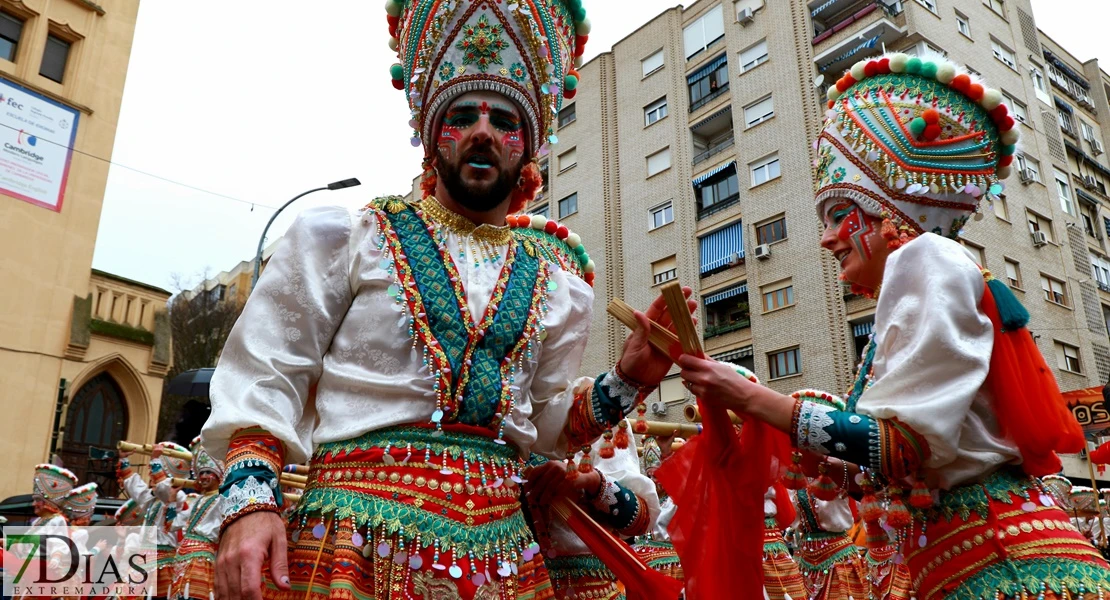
510 220
562 232
393 22
570 94
398 84
1006 161
794 479
999 112
871 69
832 103
961 82
551 227
621 439
884 66
1007 123
975 91
589 279
523 220
1101 455
920 496
580 40
897 515
931 116
931 132
844 83
428 182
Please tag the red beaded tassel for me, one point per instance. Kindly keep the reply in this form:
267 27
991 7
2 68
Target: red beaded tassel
877 538
870 508
572 469
897 515
823 488
640 426
620 440
585 465
794 479
607 449
920 496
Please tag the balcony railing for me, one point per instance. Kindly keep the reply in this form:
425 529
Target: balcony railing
714 150
1104 286
851 16
715 330
718 206
708 98
665 276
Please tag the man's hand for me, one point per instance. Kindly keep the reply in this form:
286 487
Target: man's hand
246 544
156 452
640 359
548 482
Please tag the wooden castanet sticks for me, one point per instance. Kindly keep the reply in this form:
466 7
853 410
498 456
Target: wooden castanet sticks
660 337
680 316
693 414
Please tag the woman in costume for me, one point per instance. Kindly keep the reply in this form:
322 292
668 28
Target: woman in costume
158 503
198 519
655 548
953 396
605 479
782 578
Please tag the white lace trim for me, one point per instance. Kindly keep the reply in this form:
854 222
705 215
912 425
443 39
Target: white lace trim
812 421
248 492
607 497
620 390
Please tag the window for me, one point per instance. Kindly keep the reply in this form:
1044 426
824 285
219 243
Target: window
929 4
784 363
722 249
1087 130
1067 357
567 116
1089 214
719 190
758 112
764 170
1100 267
659 162
1017 107
1030 166
655 111
661 215
1003 54
652 63
769 233
923 49
1013 273
708 83
963 25
997 6
664 270
727 310
568 159
568 206
1067 122
753 56
1039 223
778 295
972 71
544 211
10 30
1063 190
1039 84
977 252
1054 290
54 58
703 33
1000 209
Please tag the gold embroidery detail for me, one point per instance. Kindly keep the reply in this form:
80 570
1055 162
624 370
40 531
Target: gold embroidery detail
464 227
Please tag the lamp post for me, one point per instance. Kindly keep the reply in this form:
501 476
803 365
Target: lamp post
338 185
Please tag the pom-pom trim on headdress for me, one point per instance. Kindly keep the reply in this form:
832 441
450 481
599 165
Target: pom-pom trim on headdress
555 235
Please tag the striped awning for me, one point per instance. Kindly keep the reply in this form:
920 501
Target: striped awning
822 7
732 355
729 293
707 69
866 44
718 247
700 179
862 329
1064 106
1086 198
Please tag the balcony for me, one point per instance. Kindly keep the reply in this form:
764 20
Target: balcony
857 35
712 95
712 135
723 328
832 16
718 206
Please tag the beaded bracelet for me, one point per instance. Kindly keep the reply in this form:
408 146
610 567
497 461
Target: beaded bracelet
642 389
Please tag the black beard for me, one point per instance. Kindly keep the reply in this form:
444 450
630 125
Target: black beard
477 200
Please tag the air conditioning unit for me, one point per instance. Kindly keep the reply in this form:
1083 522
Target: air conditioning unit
763 251
1096 147
745 16
735 259
1026 176
659 408
1090 182
1040 238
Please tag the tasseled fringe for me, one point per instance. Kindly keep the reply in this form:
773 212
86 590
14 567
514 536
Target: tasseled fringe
897 515
621 439
823 488
1012 312
794 479
607 449
920 496
585 465
877 538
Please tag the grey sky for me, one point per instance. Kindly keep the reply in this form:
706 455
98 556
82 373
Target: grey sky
268 100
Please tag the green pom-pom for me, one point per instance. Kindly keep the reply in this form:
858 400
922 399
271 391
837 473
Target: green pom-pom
1010 310
580 250
397 72
913 65
1007 149
583 258
917 127
929 70
570 82
580 14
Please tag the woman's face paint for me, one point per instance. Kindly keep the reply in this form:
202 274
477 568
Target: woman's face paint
854 228
855 239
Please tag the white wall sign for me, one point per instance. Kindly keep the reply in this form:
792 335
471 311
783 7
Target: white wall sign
36 141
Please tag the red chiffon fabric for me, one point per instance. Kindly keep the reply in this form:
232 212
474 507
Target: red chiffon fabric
1027 400
718 481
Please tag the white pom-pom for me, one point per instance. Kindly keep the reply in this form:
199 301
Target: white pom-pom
583 27
945 73
898 62
392 8
394 43
1011 137
1004 172
589 268
991 99
833 93
574 240
579 61
538 221
857 70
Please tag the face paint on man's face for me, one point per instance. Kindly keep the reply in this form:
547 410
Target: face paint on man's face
513 143
855 227
449 138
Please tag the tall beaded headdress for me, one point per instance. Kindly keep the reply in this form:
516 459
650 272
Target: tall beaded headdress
52 482
203 462
916 141
175 467
128 514
525 50
80 502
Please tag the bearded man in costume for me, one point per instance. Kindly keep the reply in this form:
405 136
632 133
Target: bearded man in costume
953 398
157 501
198 520
419 352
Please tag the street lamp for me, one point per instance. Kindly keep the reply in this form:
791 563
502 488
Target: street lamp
338 185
